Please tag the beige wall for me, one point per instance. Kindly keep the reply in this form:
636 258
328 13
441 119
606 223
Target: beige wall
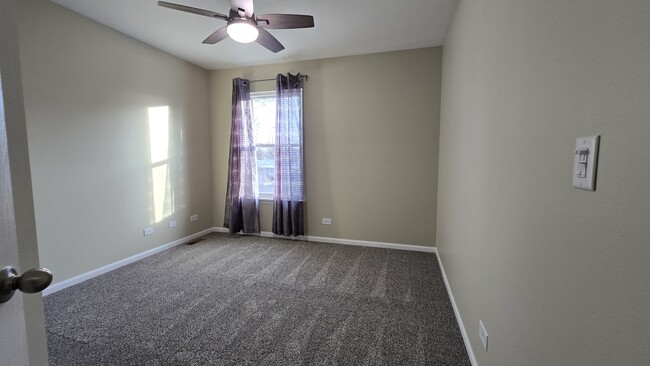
371 132
87 92
559 276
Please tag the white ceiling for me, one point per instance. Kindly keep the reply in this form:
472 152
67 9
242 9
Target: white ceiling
342 28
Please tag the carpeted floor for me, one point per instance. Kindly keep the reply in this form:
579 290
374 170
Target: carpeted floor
243 300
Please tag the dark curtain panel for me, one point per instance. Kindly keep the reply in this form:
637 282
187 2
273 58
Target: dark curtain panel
242 200
289 196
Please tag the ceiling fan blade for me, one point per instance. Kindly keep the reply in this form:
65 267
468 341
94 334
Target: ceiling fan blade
247 5
218 35
267 40
285 21
192 10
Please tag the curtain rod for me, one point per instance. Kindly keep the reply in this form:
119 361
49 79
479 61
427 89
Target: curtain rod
254 81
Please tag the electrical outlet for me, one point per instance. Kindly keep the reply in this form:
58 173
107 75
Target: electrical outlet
148 231
171 223
326 221
483 334
194 217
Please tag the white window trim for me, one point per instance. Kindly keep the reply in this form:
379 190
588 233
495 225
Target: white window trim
263 94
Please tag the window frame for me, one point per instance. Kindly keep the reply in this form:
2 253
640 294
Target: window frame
265 94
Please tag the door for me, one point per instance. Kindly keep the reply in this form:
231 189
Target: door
13 337
22 335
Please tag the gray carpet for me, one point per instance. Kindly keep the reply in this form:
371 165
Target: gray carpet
242 300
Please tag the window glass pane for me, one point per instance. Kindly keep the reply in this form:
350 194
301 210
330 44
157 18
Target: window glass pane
264 119
266 170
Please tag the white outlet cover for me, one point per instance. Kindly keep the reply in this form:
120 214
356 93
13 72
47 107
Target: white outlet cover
148 231
171 223
194 217
483 334
326 221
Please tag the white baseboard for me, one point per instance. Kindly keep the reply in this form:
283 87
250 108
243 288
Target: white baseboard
461 325
323 239
109 267
376 244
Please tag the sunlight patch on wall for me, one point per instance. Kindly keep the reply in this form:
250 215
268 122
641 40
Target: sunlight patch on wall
159 133
162 193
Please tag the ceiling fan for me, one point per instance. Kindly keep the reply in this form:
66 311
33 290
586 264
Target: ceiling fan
244 26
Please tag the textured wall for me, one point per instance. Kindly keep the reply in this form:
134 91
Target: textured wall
559 276
88 90
371 134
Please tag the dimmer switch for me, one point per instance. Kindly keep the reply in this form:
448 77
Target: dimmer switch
585 161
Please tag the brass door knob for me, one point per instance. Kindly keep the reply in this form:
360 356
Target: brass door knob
32 281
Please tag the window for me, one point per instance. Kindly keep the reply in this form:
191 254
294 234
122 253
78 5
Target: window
263 105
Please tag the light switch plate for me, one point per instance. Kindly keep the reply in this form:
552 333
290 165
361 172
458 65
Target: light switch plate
482 333
586 179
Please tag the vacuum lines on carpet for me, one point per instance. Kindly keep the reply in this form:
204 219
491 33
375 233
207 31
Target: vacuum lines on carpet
245 300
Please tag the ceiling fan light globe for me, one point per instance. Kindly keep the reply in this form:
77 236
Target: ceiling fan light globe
242 31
